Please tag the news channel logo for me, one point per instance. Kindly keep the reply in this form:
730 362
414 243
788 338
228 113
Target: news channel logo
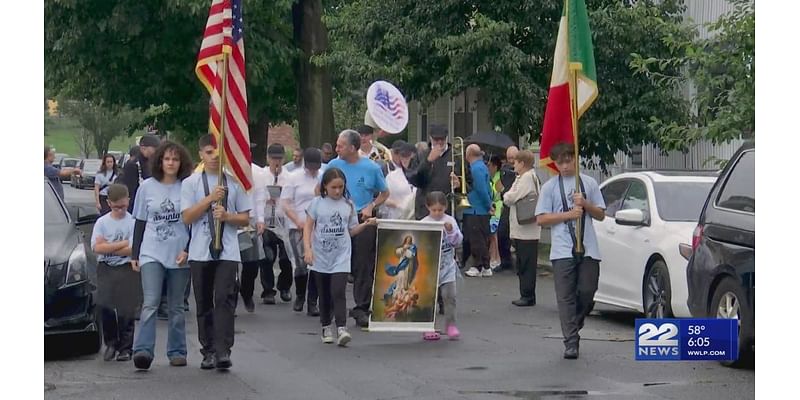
690 339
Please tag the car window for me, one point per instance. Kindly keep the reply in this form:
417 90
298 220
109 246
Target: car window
613 195
53 212
739 192
636 197
681 201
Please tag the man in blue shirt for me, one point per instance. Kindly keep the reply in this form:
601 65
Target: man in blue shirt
53 174
476 217
575 273
367 188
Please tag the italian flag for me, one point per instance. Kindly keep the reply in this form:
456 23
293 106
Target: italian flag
569 98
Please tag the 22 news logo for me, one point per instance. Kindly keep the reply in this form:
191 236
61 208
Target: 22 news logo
657 340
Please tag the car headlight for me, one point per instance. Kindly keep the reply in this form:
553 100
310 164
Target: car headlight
76 266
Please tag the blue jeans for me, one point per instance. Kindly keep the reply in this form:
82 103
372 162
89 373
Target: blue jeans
153 276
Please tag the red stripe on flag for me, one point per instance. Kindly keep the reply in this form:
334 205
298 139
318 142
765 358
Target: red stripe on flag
557 125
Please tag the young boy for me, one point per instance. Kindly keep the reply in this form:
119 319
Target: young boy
119 285
214 275
575 273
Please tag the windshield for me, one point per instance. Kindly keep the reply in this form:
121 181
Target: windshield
681 201
92 165
53 213
70 163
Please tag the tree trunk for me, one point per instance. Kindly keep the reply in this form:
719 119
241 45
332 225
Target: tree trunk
258 138
314 89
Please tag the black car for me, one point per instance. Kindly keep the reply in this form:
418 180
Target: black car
70 273
721 272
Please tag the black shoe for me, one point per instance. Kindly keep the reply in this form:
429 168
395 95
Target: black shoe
268 299
209 361
286 295
313 310
142 360
177 361
523 302
109 353
571 352
124 356
224 362
362 320
298 304
249 305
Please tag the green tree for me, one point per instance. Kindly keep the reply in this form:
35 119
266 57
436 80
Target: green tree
720 70
505 48
144 52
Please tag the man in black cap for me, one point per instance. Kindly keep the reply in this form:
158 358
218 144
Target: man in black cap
432 173
274 219
137 170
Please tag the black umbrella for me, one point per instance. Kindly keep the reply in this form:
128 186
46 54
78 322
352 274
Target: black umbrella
498 140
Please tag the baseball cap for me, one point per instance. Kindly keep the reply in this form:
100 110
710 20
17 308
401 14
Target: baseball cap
149 140
276 150
312 157
408 149
437 131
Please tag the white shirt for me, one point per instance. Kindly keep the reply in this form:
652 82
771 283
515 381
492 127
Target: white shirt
258 194
291 166
298 193
270 180
401 193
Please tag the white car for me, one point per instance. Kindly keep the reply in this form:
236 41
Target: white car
650 217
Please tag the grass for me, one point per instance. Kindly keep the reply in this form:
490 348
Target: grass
60 133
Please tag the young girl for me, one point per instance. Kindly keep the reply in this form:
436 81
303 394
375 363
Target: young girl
437 204
331 221
104 178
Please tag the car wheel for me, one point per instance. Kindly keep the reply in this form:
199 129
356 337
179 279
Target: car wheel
657 292
727 303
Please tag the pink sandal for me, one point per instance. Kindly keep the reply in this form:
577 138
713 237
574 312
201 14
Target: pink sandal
453 333
431 335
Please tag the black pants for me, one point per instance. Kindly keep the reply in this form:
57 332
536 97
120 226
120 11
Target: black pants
332 295
104 207
307 281
527 262
575 288
274 246
363 268
117 329
250 270
476 240
504 240
215 291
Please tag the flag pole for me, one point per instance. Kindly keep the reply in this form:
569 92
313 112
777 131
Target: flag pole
573 94
221 144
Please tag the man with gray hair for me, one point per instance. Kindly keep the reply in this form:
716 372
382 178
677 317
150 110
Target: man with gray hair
368 190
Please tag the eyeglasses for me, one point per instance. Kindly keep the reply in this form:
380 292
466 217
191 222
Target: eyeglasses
118 207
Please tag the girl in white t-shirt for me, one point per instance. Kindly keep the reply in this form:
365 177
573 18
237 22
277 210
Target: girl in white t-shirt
437 205
332 220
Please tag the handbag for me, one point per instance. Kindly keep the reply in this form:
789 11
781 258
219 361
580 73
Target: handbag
526 206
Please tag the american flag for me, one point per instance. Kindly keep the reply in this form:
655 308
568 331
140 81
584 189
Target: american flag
224 34
391 104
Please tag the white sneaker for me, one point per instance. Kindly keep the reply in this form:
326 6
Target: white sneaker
344 336
494 264
327 334
487 272
473 272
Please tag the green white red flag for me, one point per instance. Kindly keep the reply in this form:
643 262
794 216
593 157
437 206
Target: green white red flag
573 48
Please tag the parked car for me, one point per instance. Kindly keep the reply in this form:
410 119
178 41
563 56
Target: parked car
648 215
70 273
69 162
89 168
58 158
721 271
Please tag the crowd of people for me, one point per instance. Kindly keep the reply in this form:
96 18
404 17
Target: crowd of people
317 217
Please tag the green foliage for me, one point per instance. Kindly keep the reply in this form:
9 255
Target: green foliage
721 69
505 48
143 52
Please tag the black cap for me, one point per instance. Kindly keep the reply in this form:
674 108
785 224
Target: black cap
365 130
149 141
437 131
408 149
312 157
276 150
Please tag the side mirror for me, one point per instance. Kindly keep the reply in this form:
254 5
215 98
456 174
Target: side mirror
631 217
86 219
82 215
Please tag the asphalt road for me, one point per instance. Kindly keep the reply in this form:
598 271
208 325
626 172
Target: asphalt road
505 353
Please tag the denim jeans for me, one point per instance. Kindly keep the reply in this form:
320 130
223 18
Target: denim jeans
153 276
